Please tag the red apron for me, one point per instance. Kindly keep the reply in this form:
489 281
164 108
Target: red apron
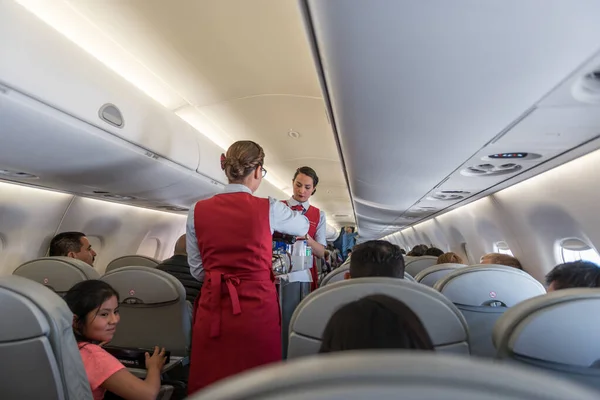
314 216
237 324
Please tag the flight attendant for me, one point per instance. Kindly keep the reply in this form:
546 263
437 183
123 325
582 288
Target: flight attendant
229 239
305 183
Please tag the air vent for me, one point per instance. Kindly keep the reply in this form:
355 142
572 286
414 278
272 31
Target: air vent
111 114
118 197
448 195
517 155
587 88
7 173
491 170
100 192
173 208
341 215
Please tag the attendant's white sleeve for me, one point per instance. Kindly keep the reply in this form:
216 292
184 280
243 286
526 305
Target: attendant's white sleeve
194 258
285 220
321 235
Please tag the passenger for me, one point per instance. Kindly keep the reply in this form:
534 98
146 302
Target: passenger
501 259
403 251
237 323
375 322
450 258
74 245
376 258
95 308
576 274
433 251
348 241
305 183
179 268
418 251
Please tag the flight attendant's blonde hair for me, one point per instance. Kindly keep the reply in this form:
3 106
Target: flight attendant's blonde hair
242 158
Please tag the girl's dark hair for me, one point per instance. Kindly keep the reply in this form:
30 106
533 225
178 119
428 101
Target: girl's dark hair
375 322
85 297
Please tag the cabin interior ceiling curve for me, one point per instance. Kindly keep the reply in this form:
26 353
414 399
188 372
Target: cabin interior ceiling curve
422 93
233 70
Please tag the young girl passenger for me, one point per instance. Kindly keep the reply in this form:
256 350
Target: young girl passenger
95 307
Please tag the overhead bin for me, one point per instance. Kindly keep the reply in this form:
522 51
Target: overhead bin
80 127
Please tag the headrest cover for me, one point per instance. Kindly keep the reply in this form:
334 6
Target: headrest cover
443 321
57 273
482 285
429 276
134 260
559 327
339 275
383 375
418 264
143 285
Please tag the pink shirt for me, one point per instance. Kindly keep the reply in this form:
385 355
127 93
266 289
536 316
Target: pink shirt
99 366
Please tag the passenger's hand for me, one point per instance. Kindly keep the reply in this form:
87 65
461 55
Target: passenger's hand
156 360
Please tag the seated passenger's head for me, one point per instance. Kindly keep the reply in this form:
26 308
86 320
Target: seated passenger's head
502 259
433 251
95 308
576 274
375 322
450 258
180 246
376 258
418 251
349 229
74 245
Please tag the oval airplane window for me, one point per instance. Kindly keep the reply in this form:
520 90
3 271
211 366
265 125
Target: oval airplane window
576 250
149 248
502 248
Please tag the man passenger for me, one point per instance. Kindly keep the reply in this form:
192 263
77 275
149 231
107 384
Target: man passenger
178 267
376 258
74 245
576 274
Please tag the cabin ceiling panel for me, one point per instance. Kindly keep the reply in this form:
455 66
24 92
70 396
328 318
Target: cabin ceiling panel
418 88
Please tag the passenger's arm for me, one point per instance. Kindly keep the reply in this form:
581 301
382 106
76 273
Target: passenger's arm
318 243
191 242
124 384
283 219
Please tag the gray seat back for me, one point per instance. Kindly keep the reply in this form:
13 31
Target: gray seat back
444 323
418 264
153 308
387 375
40 358
557 332
129 261
57 273
429 276
483 293
339 274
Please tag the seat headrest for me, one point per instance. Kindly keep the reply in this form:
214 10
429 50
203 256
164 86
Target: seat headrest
338 275
444 322
39 316
392 374
429 276
57 273
560 327
488 284
134 260
418 264
145 286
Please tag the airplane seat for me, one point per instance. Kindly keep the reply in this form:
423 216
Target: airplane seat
418 264
57 273
154 310
444 322
429 276
390 375
134 260
40 357
338 275
483 293
557 333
